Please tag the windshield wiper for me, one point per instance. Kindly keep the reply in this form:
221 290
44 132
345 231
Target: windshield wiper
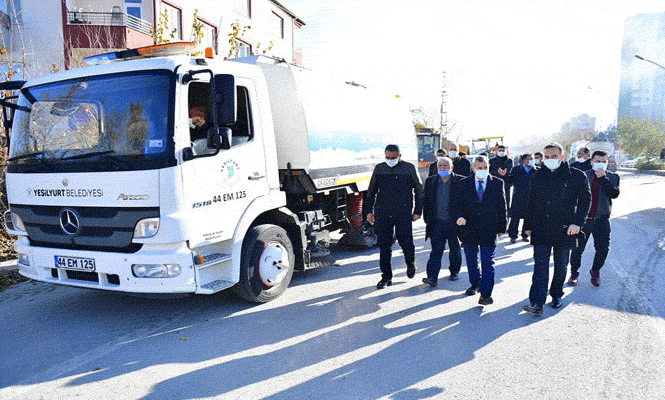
87 155
27 155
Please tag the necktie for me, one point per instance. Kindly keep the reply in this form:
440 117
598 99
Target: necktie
481 191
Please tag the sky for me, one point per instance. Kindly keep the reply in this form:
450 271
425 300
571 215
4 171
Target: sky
516 68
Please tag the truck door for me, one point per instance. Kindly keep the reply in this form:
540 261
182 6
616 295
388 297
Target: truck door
220 188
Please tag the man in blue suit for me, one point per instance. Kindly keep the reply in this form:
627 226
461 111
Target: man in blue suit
480 212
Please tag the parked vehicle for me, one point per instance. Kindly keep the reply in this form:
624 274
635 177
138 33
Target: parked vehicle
109 187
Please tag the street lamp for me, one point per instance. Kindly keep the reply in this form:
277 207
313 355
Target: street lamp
647 60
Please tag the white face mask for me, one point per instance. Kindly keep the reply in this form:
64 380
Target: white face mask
532 162
600 166
580 159
392 163
536 161
481 174
552 163
452 153
501 154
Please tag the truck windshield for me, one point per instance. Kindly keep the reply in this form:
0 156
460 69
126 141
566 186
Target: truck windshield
123 118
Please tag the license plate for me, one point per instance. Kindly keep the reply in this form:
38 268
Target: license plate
83 264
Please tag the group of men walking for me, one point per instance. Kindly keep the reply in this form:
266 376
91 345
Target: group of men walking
560 204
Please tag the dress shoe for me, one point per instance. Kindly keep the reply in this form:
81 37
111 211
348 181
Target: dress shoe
429 281
410 271
525 239
532 308
384 282
573 278
485 300
513 240
453 277
556 302
471 291
595 278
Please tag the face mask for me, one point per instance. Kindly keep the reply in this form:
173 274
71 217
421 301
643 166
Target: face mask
444 174
191 123
552 163
501 154
536 161
392 163
600 166
531 163
481 174
452 153
580 159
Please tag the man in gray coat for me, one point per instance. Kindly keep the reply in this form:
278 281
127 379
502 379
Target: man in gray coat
604 187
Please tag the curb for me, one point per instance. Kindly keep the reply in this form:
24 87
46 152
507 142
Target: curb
650 172
9 265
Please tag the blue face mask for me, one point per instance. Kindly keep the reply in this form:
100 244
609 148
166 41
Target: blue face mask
444 174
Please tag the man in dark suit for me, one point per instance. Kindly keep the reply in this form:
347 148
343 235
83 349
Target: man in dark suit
604 187
500 167
433 167
461 164
519 178
583 160
480 212
558 204
440 193
390 208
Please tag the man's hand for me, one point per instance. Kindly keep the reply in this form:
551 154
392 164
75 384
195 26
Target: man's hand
573 230
461 221
600 173
415 217
528 233
370 218
502 171
499 235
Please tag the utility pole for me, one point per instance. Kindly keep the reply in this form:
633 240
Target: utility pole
443 125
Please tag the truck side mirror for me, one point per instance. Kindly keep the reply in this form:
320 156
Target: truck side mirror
223 100
219 138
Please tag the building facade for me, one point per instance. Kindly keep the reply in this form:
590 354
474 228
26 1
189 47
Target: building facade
642 86
42 36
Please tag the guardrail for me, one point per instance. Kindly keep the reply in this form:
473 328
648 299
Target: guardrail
109 19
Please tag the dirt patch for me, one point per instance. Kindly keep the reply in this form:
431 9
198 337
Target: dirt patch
9 278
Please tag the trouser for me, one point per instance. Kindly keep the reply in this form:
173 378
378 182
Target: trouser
442 232
387 226
512 228
484 281
600 229
541 269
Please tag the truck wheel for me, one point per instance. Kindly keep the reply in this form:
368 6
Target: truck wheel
266 264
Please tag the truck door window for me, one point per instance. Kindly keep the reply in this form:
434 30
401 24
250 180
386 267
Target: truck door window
242 130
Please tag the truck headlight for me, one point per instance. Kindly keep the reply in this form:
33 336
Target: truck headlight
13 222
146 228
156 270
23 259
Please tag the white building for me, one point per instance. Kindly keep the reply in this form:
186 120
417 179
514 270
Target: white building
40 36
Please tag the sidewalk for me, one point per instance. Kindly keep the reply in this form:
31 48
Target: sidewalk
650 172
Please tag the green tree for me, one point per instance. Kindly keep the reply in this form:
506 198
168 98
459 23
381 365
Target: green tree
641 137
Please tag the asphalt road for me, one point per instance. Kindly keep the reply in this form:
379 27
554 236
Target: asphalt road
332 335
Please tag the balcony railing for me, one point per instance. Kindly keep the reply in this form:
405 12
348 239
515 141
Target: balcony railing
109 19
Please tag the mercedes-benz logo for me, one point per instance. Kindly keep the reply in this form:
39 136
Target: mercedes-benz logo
69 222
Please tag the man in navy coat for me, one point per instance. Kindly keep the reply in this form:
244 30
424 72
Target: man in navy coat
480 212
520 180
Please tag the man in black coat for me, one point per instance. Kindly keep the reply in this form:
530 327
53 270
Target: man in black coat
519 178
433 167
500 167
461 164
604 187
440 193
558 204
480 212
583 160
390 208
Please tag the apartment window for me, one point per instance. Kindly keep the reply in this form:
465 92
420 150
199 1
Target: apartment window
133 8
243 7
244 49
209 36
174 23
277 25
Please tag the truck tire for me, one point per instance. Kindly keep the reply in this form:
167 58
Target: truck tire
266 264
